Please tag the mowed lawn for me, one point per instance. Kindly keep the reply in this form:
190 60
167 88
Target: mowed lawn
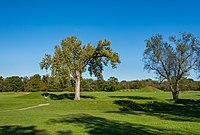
100 113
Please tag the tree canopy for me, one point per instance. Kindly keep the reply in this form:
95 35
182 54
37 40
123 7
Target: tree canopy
72 58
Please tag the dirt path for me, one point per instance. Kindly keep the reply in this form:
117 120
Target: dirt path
26 108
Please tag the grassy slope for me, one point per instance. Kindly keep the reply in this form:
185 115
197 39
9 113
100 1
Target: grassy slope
101 113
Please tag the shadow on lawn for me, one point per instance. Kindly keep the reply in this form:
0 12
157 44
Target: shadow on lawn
19 130
133 97
182 110
64 96
100 126
69 132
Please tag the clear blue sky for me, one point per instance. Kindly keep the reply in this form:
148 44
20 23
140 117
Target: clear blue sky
31 28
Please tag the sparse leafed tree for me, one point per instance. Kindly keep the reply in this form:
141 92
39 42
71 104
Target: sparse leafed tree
72 58
172 62
46 64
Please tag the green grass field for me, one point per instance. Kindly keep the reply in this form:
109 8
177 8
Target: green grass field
100 113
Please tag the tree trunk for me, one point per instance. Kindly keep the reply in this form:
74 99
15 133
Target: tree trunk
77 85
175 95
175 91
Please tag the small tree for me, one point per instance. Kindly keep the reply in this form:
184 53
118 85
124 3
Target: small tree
72 58
46 64
172 62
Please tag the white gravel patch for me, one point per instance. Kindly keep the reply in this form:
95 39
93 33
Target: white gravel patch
26 108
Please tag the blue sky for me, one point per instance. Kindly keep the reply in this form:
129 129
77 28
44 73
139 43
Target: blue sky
31 28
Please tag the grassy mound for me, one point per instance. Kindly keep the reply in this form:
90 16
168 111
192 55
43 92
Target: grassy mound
148 89
32 95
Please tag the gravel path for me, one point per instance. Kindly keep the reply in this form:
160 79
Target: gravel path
26 108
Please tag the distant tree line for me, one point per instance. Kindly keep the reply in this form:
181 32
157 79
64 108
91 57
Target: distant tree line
51 84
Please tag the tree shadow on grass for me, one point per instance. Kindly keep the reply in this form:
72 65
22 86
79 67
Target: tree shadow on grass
64 96
19 130
133 97
182 110
68 132
100 126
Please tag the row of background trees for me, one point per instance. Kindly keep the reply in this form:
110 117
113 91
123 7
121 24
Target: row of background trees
45 83
171 60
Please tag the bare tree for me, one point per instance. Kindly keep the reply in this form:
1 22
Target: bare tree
172 62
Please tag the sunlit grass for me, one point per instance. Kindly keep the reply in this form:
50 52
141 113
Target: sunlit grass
100 113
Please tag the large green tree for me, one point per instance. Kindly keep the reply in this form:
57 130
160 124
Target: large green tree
172 62
72 58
